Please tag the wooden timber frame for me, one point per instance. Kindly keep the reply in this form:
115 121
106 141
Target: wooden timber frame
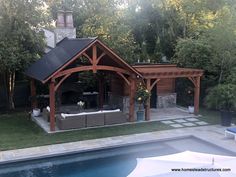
152 74
122 69
101 58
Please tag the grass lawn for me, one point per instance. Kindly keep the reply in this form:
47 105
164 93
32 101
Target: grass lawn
17 131
212 117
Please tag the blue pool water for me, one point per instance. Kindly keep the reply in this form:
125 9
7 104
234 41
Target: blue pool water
109 162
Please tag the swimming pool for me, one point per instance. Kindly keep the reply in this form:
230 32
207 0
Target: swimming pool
108 162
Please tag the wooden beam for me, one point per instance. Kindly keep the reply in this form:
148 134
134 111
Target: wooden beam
87 68
122 75
192 79
112 68
154 83
71 61
60 82
117 58
131 99
100 57
147 108
94 63
52 104
73 70
34 103
90 59
160 76
196 95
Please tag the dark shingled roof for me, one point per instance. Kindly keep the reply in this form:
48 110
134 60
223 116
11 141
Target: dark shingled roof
57 57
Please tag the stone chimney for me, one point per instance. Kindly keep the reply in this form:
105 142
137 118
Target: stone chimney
69 19
64 26
60 23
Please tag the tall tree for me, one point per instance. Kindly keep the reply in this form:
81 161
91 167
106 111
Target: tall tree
102 18
210 44
20 39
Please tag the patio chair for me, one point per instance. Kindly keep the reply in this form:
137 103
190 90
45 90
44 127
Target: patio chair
230 133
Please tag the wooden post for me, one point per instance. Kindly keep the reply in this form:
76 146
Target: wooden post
94 57
196 95
52 105
34 103
131 99
147 108
101 92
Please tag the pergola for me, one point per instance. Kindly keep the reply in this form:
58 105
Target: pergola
152 74
57 65
90 54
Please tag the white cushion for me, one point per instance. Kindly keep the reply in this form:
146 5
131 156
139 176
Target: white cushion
88 113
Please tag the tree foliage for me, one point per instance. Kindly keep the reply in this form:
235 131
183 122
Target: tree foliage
192 33
21 42
101 19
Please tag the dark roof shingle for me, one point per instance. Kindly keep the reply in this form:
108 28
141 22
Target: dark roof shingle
57 57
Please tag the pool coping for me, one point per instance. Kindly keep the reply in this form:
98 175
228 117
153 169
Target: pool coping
205 133
96 149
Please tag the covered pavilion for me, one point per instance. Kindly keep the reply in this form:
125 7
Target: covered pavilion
152 74
71 56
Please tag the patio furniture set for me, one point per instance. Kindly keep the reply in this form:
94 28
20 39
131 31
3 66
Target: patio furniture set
66 121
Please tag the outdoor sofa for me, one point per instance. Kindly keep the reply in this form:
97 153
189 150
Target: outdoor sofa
90 119
230 133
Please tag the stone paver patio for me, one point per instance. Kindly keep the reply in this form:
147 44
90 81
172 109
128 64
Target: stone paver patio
213 134
166 114
176 125
186 122
170 113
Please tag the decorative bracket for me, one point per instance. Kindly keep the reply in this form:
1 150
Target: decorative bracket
126 80
60 82
153 84
194 80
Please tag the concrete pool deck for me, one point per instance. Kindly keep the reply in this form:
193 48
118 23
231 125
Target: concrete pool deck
213 134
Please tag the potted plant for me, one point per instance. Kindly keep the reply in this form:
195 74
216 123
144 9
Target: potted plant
190 100
223 97
36 112
142 95
80 105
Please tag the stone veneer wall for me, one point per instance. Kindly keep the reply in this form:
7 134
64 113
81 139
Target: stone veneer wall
166 100
61 33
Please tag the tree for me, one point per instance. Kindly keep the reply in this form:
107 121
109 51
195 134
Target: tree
211 45
112 30
21 41
104 19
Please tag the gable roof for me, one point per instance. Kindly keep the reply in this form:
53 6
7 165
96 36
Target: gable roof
64 51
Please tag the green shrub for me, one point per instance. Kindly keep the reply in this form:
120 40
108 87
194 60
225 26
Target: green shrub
142 95
222 97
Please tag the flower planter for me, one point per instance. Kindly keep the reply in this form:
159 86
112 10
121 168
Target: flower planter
191 109
140 116
226 118
36 112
